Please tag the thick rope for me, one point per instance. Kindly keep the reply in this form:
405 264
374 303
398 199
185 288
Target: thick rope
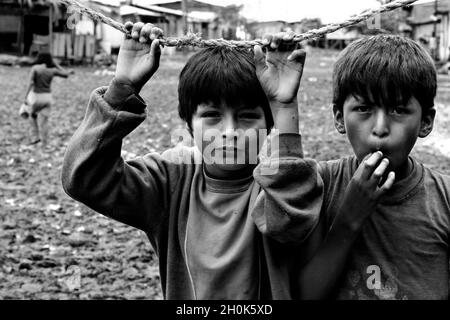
197 41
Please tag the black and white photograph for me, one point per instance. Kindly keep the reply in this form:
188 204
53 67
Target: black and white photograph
232 151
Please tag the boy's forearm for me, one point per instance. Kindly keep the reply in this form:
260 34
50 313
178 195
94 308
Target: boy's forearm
285 116
94 173
93 167
319 277
290 205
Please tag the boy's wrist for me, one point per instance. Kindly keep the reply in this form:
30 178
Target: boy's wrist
285 116
352 215
289 145
274 104
118 92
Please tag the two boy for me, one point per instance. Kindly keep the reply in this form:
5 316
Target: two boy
201 218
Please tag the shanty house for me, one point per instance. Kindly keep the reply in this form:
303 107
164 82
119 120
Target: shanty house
29 24
201 17
28 27
167 15
429 20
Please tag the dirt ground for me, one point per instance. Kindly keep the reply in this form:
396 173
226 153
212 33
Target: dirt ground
51 247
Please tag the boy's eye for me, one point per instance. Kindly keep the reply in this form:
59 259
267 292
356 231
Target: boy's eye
399 110
362 108
210 114
249 115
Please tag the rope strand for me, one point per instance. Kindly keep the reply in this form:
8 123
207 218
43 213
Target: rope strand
197 41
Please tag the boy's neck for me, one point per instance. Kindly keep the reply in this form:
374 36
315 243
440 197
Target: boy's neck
216 173
404 170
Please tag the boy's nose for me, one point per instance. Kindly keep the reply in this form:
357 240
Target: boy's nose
381 125
229 127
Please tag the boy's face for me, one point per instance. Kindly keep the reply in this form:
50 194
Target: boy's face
392 130
228 137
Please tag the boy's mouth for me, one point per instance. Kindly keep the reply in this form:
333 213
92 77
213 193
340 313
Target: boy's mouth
383 151
378 147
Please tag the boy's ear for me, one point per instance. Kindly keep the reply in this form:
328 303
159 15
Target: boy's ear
339 119
426 125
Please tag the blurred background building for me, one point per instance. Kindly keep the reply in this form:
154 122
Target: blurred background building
30 26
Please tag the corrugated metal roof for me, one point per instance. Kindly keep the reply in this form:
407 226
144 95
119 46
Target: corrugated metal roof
126 10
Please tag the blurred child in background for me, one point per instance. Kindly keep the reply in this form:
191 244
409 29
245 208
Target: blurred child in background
38 96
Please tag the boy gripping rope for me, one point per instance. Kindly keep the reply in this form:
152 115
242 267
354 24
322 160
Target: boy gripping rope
384 90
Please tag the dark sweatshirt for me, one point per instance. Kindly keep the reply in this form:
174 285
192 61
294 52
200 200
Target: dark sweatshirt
402 251
201 228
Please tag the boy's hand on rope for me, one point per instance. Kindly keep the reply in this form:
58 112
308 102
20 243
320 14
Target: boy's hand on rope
280 68
139 55
366 188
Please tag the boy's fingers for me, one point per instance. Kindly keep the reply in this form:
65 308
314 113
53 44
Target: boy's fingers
135 32
288 36
367 157
145 32
298 55
155 52
260 59
379 171
276 40
287 43
128 26
267 39
387 184
149 31
370 164
157 32
155 49
360 168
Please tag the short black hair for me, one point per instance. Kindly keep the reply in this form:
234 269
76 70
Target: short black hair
220 74
385 70
45 58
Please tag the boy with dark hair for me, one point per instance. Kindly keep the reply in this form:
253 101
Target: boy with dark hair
226 76
384 88
196 215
